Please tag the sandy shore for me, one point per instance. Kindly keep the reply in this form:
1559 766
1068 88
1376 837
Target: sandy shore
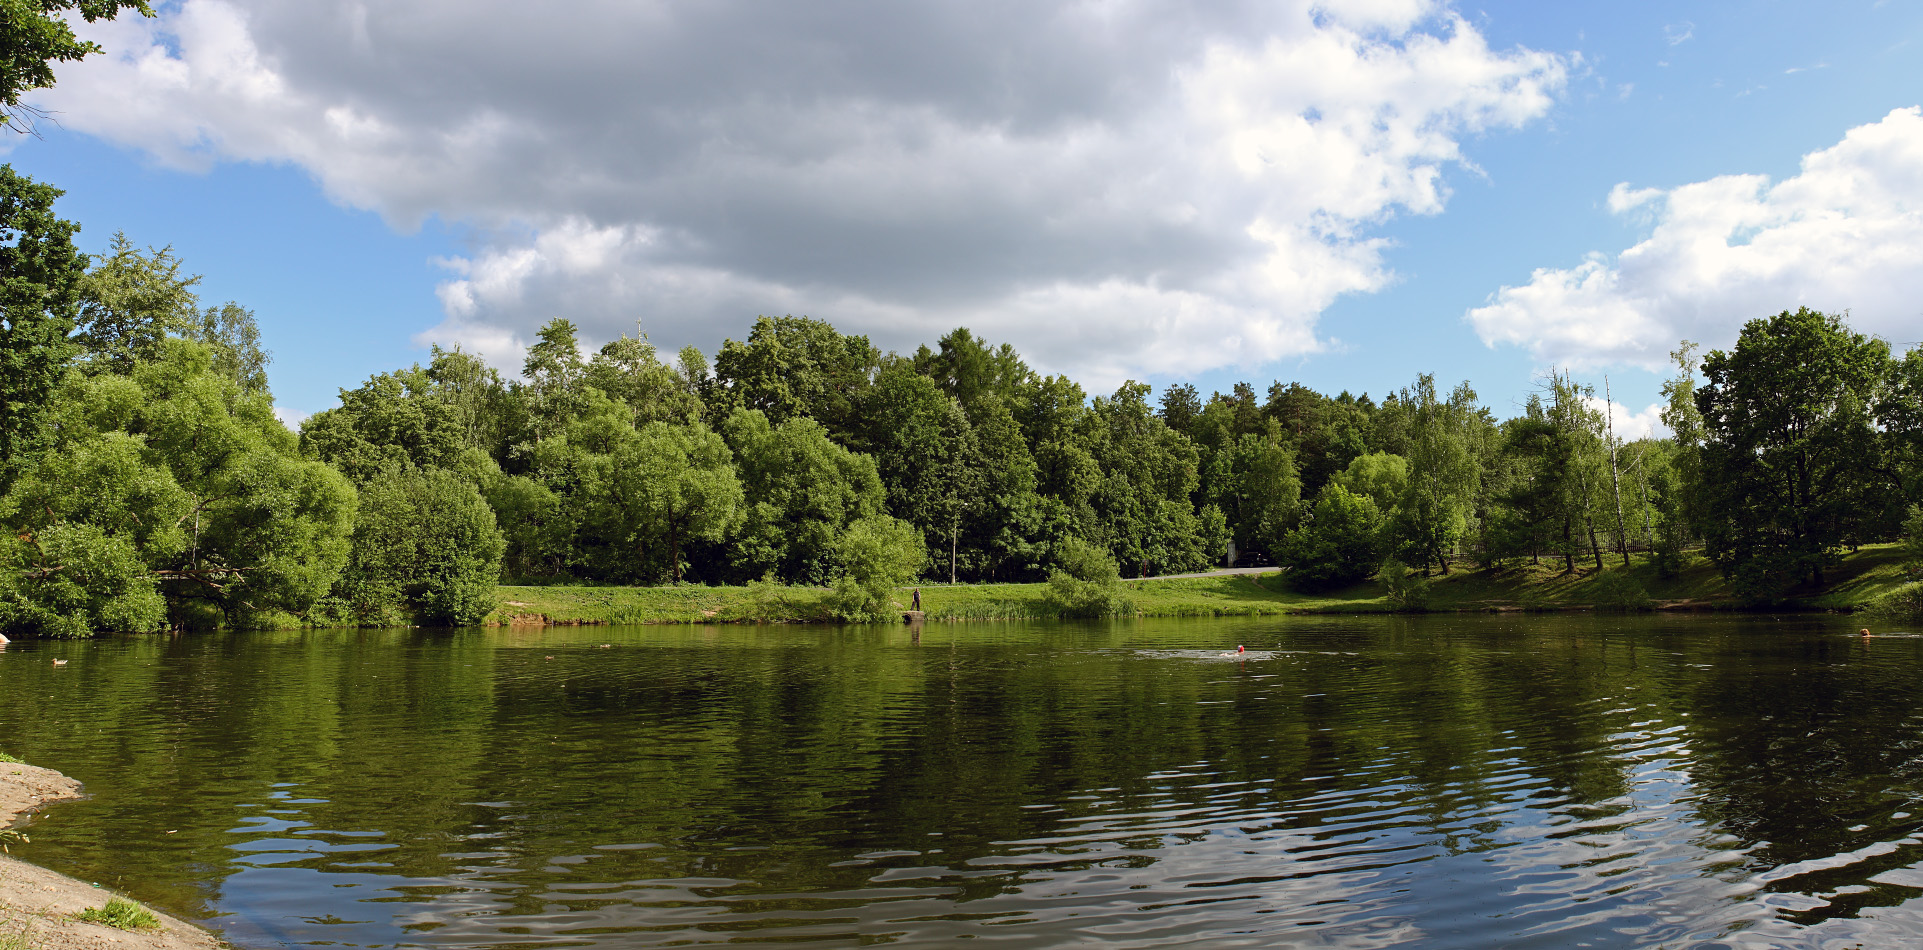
40 904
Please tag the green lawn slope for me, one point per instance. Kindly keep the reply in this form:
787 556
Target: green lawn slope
1862 577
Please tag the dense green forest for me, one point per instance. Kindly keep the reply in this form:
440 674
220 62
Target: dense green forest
145 481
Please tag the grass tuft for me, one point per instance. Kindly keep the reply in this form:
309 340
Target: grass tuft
17 939
121 913
5 758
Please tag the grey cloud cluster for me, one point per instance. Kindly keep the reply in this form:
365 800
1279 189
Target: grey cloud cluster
1117 186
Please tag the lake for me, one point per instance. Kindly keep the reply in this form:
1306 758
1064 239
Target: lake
1436 782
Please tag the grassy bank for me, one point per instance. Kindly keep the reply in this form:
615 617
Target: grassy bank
1861 578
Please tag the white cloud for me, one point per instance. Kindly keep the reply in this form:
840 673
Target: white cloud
291 418
1631 425
1117 188
1846 233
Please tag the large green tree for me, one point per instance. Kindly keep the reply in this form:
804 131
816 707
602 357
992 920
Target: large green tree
131 301
1339 543
1253 480
927 454
795 366
389 424
662 488
802 490
40 279
1788 447
969 369
191 473
1436 508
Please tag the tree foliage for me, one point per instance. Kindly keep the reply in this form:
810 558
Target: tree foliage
145 481
1088 582
41 273
1788 448
1339 544
877 556
193 475
425 547
34 35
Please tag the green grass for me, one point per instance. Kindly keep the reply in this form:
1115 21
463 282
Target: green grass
17 938
760 603
5 758
121 913
1859 580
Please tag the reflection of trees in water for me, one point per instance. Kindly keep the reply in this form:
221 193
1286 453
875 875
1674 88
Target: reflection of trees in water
478 756
178 740
1805 752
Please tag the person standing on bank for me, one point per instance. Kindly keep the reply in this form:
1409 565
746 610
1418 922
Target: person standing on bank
917 599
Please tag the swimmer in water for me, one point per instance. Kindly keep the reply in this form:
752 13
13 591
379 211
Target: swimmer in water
1866 631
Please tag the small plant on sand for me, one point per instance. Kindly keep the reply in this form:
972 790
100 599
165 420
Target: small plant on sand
9 759
15 937
121 913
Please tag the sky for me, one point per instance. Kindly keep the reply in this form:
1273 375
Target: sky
1340 194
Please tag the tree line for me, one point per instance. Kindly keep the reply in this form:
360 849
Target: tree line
145 481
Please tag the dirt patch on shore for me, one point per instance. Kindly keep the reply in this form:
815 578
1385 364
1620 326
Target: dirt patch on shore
40 905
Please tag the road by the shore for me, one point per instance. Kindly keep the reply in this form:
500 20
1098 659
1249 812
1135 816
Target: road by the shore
40 905
1224 572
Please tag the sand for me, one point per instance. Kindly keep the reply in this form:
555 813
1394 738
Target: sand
39 905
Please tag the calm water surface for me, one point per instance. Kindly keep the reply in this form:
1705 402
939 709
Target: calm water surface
1365 782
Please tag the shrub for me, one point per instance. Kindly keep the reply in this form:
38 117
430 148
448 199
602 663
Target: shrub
121 913
1903 603
766 601
1087 584
1667 551
877 555
424 540
1616 591
1406 591
1913 542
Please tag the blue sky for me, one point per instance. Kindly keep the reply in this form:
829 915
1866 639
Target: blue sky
1341 194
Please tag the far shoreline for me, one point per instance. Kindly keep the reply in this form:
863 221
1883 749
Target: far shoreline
1857 584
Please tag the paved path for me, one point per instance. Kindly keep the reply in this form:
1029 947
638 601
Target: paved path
1224 572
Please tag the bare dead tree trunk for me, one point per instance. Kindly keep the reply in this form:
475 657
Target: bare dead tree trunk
1615 481
1642 480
